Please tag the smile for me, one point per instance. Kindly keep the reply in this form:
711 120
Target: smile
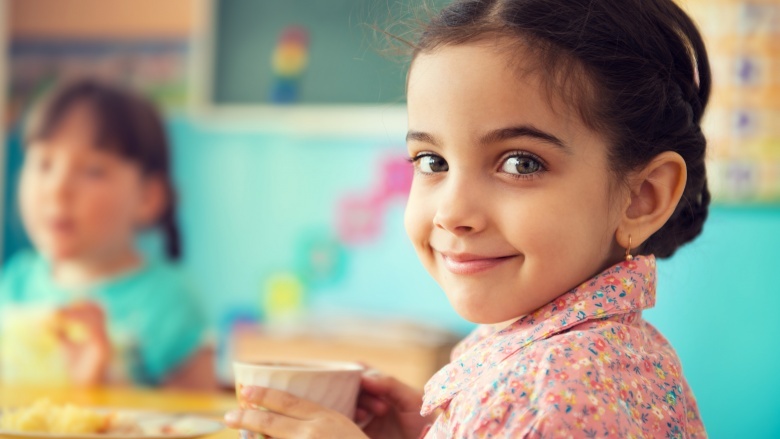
466 264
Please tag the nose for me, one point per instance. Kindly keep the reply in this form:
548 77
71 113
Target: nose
459 208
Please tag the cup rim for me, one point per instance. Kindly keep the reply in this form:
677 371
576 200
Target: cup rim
306 366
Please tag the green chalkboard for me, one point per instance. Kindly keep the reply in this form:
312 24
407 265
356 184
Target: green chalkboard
345 64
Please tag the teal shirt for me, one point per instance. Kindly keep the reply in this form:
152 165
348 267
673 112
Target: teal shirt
152 312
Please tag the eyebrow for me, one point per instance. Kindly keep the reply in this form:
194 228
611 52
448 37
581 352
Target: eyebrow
421 137
499 135
502 134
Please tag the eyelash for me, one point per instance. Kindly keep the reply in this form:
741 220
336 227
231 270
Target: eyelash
518 153
413 160
417 167
525 154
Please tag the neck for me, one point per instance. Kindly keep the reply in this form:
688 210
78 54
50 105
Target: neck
86 270
503 325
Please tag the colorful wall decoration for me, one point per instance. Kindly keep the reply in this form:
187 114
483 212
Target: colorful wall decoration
743 121
156 67
289 64
322 257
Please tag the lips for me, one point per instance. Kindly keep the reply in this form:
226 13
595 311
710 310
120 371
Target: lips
467 263
61 225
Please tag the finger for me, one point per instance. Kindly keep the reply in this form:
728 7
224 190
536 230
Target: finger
78 332
68 332
82 322
265 422
361 415
85 312
65 341
281 402
372 404
397 393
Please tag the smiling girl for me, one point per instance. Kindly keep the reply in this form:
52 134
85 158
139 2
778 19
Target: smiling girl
558 151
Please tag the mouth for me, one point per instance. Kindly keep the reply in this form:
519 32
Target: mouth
61 225
467 263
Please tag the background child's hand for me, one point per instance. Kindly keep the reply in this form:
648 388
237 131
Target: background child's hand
391 408
290 417
81 328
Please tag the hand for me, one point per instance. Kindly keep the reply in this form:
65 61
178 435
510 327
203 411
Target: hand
81 329
289 417
392 407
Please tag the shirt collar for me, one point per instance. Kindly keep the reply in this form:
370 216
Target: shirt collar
626 287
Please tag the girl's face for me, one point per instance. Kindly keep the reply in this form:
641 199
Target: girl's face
511 204
78 201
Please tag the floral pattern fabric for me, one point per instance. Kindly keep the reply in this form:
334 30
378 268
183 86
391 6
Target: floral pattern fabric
583 366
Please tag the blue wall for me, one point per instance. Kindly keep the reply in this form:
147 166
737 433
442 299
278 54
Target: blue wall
718 301
250 198
718 298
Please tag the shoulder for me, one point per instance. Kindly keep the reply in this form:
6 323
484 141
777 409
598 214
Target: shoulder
21 262
21 271
590 380
160 291
477 335
161 281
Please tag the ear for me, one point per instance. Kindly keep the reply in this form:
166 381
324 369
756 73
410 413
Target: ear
655 191
154 198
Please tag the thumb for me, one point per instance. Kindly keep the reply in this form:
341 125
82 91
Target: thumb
400 395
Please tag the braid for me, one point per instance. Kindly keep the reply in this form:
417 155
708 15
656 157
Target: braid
690 89
170 228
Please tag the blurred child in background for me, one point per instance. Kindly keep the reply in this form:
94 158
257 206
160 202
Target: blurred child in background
97 171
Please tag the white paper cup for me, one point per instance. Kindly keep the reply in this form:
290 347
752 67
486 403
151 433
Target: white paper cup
333 385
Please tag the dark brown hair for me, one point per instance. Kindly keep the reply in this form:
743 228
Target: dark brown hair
125 123
635 70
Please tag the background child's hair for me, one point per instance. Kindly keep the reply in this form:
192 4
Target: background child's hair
125 123
635 70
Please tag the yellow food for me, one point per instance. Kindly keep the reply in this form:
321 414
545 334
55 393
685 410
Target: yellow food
45 417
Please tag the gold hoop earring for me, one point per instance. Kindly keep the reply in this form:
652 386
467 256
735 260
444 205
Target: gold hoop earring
629 257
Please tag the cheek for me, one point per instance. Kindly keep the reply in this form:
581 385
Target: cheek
108 205
418 218
556 221
29 195
572 233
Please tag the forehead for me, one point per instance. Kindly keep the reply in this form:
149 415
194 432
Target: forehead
73 124
77 128
483 86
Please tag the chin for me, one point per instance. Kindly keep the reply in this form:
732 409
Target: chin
480 311
480 317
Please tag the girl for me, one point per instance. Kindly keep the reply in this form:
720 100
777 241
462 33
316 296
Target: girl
96 171
558 152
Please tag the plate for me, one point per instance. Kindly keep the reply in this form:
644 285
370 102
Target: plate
152 424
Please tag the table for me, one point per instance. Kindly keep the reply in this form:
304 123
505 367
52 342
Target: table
212 405
410 362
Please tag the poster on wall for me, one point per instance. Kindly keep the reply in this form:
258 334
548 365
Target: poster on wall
301 52
742 123
156 67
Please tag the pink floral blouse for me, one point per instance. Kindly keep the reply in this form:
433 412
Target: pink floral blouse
584 366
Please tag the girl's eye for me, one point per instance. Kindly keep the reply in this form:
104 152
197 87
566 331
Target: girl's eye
522 165
42 164
431 163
